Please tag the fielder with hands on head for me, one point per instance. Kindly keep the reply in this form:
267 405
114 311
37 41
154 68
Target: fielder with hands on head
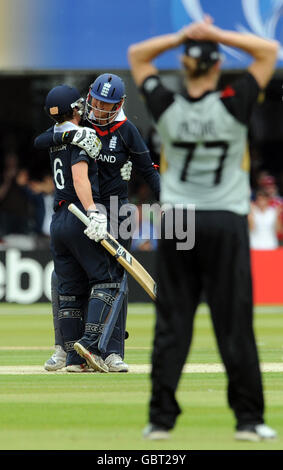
122 146
204 137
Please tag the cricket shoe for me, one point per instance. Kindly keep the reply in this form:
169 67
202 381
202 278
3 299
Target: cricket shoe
57 360
78 368
154 432
94 361
116 364
255 433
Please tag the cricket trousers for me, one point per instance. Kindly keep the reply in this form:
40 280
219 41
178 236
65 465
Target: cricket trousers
79 264
219 267
117 341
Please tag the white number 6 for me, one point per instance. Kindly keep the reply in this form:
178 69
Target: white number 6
60 183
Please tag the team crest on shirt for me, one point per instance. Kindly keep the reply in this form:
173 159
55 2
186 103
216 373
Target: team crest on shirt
113 142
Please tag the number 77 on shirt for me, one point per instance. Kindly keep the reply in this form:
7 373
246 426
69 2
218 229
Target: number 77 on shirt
129 263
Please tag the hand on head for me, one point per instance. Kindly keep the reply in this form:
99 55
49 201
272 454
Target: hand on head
201 31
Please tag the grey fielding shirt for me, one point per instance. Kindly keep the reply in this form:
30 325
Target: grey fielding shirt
204 144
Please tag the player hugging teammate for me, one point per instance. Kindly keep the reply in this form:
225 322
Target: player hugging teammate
122 147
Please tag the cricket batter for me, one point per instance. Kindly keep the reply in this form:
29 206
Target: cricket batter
122 148
80 264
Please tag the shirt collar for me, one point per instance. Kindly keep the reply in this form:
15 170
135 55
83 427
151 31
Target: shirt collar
65 126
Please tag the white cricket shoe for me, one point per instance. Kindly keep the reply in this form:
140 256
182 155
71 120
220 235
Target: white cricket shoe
255 433
57 360
78 368
94 361
154 432
116 364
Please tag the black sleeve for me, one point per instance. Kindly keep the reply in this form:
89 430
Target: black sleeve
49 138
140 156
158 98
44 140
78 155
240 97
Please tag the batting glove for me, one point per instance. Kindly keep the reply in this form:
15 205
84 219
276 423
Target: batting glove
126 171
97 228
84 138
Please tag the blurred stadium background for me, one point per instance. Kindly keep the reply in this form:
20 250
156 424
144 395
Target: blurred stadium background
45 43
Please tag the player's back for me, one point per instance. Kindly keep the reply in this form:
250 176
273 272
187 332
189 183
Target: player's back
204 158
204 149
62 158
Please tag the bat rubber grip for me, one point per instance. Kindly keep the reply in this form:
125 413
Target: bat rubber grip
78 213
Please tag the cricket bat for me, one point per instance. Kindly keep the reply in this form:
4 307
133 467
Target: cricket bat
129 263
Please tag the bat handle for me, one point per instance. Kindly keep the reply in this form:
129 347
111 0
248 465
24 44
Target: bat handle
85 220
78 213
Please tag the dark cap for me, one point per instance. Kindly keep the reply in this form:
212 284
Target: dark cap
205 52
60 99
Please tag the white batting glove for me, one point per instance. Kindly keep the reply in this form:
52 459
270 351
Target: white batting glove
87 139
126 171
97 229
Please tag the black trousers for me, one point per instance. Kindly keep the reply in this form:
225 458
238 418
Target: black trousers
72 277
219 266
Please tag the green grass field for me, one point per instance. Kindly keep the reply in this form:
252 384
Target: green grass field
60 411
